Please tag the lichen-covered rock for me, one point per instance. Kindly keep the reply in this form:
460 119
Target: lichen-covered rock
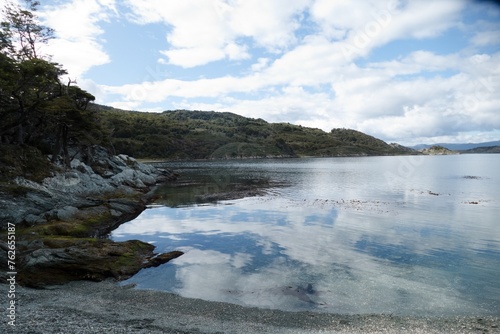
60 260
63 219
66 213
53 198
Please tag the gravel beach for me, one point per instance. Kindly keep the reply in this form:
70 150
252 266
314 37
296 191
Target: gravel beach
105 307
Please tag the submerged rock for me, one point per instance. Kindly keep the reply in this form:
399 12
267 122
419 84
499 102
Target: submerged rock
162 258
304 294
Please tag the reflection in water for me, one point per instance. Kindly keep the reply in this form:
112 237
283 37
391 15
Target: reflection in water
338 239
212 185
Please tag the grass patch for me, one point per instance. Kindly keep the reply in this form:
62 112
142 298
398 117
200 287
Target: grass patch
57 228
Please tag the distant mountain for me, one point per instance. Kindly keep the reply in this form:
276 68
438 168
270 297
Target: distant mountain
187 134
458 147
402 148
483 149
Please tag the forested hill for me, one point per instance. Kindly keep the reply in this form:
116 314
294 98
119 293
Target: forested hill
183 134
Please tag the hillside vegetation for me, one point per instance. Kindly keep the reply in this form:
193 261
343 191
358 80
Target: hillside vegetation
183 134
482 150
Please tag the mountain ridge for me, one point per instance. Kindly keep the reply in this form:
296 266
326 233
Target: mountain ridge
458 146
193 134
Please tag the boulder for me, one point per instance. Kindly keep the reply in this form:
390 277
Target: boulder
66 213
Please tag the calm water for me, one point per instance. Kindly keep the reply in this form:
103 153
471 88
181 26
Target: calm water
403 235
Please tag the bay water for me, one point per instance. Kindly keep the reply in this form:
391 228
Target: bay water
410 235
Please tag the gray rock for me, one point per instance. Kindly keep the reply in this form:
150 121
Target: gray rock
132 178
63 194
66 213
45 256
123 205
115 213
107 174
35 220
81 167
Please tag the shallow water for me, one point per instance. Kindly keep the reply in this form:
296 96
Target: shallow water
404 235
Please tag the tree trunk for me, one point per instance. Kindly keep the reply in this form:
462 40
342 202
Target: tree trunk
57 147
20 134
66 159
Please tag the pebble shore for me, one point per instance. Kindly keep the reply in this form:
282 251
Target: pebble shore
105 307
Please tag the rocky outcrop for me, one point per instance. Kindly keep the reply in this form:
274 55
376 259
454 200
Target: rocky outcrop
82 186
60 260
438 150
62 221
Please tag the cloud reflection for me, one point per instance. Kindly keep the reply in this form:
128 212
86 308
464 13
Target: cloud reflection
267 251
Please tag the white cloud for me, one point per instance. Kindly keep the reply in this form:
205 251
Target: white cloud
433 107
291 102
76 26
195 56
314 61
237 52
203 32
77 57
271 24
261 64
199 33
424 19
483 38
339 17
377 23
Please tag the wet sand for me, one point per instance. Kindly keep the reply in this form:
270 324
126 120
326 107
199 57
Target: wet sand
105 307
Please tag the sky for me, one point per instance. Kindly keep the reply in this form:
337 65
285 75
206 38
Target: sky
405 71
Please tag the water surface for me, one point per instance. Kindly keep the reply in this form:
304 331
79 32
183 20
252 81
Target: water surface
402 235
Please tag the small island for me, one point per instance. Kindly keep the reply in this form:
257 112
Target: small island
438 150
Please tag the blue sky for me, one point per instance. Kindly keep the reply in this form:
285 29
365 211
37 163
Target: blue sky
406 71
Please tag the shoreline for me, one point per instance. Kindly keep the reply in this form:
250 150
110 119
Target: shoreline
58 225
97 307
90 307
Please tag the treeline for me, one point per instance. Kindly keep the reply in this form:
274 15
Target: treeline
482 150
37 109
183 134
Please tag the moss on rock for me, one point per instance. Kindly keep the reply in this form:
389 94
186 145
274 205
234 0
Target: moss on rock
62 221
63 259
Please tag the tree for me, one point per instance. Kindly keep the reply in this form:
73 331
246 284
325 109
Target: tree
71 122
8 106
23 29
36 107
26 79
24 87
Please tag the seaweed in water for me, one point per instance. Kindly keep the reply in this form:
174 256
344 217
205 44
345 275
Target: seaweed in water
471 177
